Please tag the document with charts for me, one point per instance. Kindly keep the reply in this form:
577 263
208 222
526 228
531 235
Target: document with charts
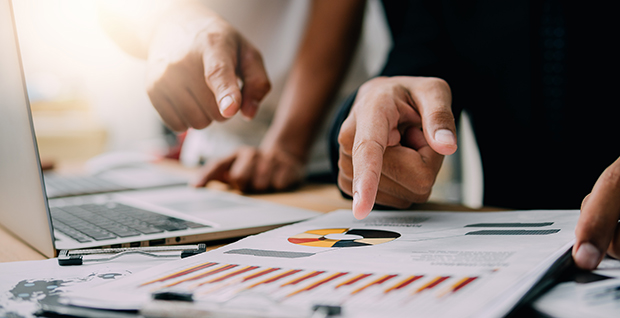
391 264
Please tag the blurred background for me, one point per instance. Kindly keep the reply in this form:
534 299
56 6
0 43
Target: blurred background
88 96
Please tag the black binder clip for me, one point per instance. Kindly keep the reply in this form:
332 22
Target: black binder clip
76 257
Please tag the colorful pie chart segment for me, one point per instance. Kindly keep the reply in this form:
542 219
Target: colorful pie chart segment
343 237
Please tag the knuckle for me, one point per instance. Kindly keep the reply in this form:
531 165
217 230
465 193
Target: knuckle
345 139
251 55
611 176
434 84
372 83
367 146
217 69
441 116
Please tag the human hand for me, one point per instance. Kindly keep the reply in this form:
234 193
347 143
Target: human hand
254 170
384 154
195 63
598 230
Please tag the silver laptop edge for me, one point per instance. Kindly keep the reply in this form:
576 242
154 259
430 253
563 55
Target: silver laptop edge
19 145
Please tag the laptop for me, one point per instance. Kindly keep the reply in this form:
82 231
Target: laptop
162 216
122 177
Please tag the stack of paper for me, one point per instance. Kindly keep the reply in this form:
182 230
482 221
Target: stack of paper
391 264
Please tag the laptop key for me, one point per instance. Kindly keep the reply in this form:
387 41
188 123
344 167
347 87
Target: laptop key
68 231
111 220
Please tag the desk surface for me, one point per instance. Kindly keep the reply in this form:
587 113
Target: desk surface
317 197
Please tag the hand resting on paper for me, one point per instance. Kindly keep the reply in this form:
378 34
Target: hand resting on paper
257 170
598 230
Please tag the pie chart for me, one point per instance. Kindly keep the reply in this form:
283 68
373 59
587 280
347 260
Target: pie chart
343 237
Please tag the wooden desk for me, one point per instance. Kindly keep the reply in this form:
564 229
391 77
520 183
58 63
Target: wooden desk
317 197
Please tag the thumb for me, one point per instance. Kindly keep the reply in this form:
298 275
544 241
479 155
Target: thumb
433 99
220 67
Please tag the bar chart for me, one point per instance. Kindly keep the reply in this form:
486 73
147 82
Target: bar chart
217 281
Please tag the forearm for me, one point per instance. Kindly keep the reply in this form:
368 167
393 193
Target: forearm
319 68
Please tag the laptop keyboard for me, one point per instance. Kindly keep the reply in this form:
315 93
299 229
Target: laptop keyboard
88 222
61 186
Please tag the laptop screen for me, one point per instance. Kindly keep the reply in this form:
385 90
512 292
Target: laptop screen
23 205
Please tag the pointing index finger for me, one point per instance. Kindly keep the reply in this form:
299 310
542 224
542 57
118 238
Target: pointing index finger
372 131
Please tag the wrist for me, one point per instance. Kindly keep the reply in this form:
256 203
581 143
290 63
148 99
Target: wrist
291 143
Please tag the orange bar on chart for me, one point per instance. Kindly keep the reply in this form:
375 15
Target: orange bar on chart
276 278
301 279
317 284
233 274
462 283
403 283
261 273
181 273
378 281
203 275
456 286
438 280
353 280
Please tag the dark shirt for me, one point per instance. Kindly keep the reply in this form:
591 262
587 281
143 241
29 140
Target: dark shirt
534 78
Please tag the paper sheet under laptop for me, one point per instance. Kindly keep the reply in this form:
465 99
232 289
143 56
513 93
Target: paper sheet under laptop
391 264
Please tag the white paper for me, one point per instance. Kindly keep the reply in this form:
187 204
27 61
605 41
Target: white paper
24 284
600 299
422 264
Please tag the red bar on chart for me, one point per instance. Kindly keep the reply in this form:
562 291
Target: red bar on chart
378 281
353 280
301 279
436 281
276 278
319 283
462 283
261 273
404 283
203 275
180 273
233 274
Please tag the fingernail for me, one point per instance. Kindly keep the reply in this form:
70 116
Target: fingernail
587 256
445 136
225 103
